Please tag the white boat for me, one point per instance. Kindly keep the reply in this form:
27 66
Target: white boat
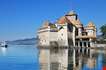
3 44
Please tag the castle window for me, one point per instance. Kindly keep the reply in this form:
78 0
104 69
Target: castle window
81 44
88 44
54 66
62 34
85 44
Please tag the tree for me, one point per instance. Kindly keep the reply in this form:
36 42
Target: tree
103 30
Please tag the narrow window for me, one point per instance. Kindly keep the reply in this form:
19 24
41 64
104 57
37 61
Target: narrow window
62 34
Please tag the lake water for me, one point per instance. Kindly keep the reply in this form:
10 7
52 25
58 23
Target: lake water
78 59
17 57
23 57
87 59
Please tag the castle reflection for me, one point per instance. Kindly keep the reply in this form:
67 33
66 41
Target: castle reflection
70 59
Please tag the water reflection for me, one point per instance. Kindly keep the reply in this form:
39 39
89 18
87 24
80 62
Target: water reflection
71 59
3 50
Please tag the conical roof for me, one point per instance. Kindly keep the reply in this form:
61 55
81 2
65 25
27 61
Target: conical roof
91 24
46 23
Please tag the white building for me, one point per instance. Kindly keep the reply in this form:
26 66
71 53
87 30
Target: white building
67 31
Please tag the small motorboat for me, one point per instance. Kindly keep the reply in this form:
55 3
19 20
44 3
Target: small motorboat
3 44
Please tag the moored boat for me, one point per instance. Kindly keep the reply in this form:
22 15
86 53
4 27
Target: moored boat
3 44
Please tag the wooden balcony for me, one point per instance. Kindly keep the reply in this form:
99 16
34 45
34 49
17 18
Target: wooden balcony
86 36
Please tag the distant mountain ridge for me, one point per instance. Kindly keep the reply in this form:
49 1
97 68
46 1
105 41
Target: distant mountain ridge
27 41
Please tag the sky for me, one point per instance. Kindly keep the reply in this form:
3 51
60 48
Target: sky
21 18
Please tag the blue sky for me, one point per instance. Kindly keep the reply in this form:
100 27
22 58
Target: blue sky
21 18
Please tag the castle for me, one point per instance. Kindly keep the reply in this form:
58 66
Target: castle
56 39
67 31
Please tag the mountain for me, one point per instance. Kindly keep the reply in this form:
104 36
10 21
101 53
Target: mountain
29 41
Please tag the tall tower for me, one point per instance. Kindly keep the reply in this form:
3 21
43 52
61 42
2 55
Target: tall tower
72 17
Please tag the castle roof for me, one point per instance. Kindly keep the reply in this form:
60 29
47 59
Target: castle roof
91 25
62 20
71 13
78 23
46 23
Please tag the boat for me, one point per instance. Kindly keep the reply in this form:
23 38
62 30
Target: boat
3 44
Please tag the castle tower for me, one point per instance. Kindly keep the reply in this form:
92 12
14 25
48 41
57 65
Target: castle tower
91 29
43 34
91 32
72 15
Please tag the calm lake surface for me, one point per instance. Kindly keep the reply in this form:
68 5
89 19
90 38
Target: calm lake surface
15 57
25 57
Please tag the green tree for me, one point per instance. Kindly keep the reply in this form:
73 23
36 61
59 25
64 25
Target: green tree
103 30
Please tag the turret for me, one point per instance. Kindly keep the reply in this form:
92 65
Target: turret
91 25
91 29
46 24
